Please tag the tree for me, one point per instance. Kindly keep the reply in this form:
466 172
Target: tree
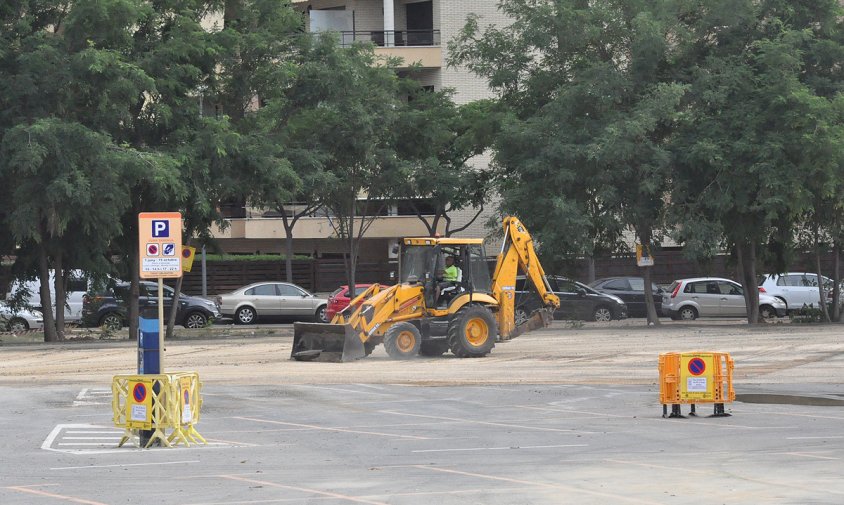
440 139
742 153
349 128
594 103
68 91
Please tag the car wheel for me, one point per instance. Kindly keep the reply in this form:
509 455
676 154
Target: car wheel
602 314
18 325
767 312
196 320
245 315
321 314
688 313
111 321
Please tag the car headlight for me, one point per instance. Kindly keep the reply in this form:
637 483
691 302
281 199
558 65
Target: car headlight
617 299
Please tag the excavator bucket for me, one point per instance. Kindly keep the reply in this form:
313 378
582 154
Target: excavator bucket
541 318
326 342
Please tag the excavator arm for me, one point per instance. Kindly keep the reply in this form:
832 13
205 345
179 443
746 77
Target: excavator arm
518 255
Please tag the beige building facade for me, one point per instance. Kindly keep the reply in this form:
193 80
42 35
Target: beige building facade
417 33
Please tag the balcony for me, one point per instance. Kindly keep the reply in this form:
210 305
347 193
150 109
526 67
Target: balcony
411 46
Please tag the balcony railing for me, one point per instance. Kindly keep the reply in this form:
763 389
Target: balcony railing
398 38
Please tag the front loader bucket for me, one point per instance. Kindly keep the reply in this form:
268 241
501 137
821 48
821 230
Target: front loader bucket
326 342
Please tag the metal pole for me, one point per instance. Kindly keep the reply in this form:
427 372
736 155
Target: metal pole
161 325
204 278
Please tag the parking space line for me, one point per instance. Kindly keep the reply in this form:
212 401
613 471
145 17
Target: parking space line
342 390
660 467
806 455
488 423
302 489
508 448
121 465
341 430
546 485
26 489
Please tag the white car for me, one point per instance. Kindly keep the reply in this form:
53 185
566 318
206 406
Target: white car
78 285
19 320
795 289
689 299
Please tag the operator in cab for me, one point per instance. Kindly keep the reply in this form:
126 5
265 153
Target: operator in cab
450 276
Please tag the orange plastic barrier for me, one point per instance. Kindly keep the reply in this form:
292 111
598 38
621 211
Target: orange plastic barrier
695 377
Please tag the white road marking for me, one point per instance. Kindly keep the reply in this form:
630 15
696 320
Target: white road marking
813 438
502 448
489 423
125 465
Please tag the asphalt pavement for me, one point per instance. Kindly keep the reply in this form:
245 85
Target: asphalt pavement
415 445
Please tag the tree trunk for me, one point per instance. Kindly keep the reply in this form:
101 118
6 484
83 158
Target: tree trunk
590 269
59 283
50 334
134 291
821 293
288 243
746 254
174 308
650 305
836 278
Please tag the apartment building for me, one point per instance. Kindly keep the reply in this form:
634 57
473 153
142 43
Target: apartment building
417 32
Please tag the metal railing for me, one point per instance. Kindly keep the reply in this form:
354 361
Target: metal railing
394 38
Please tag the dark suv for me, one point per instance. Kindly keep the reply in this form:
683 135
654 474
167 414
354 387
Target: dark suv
109 308
577 301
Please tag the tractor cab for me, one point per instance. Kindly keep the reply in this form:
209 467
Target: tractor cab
424 262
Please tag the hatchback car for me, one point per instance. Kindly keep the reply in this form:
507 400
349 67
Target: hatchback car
275 299
577 301
109 308
339 299
689 299
19 320
795 289
632 291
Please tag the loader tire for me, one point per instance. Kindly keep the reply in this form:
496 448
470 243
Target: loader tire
402 341
434 348
472 332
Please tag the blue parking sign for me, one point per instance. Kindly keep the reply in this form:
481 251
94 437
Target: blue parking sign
160 228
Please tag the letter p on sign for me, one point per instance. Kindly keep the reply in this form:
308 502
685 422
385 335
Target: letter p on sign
160 228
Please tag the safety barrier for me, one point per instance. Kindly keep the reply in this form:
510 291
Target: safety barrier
695 377
157 403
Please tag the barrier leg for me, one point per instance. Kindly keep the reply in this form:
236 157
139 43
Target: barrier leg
675 412
692 413
719 411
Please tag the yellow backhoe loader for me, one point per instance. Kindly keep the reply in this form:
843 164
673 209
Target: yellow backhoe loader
424 314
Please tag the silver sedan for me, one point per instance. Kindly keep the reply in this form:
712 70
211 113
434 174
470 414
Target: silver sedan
272 299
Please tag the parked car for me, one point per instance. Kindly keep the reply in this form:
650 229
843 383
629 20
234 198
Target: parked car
795 289
339 299
577 301
689 299
109 308
18 320
632 291
77 285
279 299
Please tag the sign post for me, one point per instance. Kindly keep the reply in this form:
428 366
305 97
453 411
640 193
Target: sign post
160 253
160 241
